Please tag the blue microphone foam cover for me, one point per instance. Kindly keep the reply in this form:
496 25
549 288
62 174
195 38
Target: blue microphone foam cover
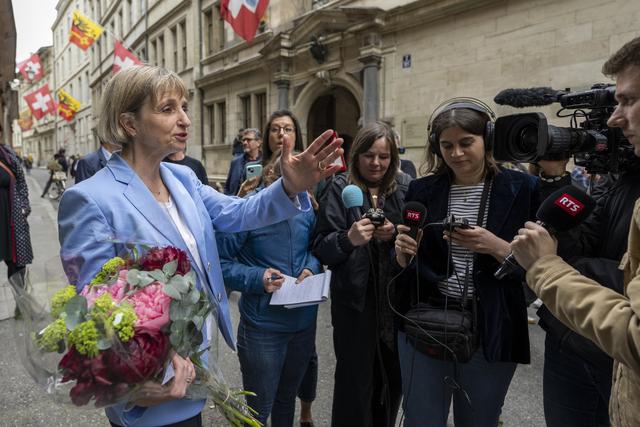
352 196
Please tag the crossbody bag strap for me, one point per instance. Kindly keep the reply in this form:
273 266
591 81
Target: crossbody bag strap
479 222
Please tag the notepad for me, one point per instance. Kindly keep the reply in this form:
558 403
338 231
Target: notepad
312 290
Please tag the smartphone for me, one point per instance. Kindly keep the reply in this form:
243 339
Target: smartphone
340 160
253 170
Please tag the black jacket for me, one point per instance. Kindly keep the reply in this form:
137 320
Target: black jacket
350 264
595 249
502 315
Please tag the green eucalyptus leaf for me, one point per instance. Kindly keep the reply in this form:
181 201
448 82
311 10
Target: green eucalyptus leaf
170 290
198 321
170 268
176 310
146 279
158 275
190 277
76 311
175 340
133 277
180 284
194 296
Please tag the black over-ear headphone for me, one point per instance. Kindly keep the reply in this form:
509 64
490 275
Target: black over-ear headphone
456 103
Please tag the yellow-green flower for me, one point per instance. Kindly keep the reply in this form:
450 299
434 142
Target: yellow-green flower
60 298
85 338
52 335
122 321
103 305
110 268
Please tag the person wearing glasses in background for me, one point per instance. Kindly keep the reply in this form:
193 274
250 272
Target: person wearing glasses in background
281 123
252 146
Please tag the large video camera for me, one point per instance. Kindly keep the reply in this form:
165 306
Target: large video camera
528 137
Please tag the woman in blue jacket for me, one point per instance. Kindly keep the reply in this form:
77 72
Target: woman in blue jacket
275 344
462 173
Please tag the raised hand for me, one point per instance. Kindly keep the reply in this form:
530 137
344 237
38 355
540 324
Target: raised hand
303 171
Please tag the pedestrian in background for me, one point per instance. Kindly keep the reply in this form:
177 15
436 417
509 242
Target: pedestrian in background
15 239
88 165
181 158
252 153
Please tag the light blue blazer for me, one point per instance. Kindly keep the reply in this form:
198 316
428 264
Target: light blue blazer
97 217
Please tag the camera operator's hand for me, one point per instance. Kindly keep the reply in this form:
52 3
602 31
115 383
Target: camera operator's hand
361 232
553 167
406 247
385 232
479 240
532 243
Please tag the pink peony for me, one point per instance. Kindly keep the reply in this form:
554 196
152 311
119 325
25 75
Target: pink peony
151 305
117 290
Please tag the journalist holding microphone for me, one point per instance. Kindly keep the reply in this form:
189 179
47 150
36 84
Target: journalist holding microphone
367 378
451 274
610 319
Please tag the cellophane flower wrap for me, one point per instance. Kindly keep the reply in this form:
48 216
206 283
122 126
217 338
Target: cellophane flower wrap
96 348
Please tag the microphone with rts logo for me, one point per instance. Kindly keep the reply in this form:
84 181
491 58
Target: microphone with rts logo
561 211
352 199
414 216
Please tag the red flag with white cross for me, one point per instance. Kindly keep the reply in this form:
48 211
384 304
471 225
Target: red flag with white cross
31 69
41 102
244 16
123 58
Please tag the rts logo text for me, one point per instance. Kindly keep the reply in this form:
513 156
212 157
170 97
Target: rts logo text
570 205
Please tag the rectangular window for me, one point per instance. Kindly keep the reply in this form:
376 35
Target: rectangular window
211 122
183 43
174 47
153 54
120 25
245 111
208 36
221 121
261 106
160 52
129 15
214 26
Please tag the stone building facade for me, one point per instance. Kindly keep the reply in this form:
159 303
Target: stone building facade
338 64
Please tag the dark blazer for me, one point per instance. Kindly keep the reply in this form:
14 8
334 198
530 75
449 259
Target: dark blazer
90 164
502 315
350 264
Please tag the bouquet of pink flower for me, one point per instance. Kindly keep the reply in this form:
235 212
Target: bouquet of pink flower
121 330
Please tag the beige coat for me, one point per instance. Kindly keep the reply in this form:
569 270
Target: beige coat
610 320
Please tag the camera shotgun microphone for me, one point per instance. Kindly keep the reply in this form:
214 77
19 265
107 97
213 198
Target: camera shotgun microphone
352 199
533 97
561 211
414 216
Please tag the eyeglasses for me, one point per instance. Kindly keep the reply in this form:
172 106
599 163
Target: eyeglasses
249 139
277 129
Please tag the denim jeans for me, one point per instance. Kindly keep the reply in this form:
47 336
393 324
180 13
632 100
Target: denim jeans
575 393
309 385
428 385
273 365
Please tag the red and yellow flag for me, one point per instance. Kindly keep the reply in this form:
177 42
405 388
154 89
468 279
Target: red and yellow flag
83 30
68 106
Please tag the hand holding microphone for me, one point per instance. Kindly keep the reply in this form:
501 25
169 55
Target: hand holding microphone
532 243
562 210
414 216
361 230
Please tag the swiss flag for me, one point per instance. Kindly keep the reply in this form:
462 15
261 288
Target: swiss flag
123 58
41 102
243 15
31 69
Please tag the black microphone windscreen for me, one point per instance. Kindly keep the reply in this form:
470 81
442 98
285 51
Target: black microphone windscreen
414 215
565 208
532 97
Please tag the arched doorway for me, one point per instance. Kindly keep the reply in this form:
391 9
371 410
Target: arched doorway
337 109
